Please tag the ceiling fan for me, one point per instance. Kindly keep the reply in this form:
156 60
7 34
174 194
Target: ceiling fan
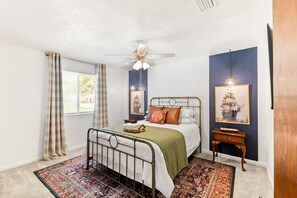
140 58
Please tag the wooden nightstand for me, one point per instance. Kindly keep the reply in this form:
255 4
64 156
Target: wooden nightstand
236 138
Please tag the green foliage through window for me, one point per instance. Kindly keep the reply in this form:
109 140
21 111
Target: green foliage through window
78 92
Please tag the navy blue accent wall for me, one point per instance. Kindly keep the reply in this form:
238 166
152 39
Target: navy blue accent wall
137 82
244 71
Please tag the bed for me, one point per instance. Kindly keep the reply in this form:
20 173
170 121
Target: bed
139 159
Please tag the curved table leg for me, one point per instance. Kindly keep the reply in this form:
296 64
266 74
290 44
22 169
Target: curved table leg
243 151
213 150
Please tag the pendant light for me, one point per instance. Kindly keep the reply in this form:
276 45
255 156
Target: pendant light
230 81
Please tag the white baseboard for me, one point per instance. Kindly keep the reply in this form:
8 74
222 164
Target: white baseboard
28 161
21 163
262 164
76 147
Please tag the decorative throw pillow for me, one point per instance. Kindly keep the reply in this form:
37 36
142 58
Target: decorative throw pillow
150 112
172 115
158 116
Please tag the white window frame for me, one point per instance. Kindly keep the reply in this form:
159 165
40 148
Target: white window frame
78 94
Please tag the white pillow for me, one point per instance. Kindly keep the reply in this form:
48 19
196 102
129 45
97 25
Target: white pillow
187 121
186 113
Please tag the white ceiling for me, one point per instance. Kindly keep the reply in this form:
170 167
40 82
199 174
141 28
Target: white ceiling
91 28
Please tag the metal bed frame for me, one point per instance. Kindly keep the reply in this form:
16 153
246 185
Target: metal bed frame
112 144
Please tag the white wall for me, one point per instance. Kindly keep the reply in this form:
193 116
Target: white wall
23 78
23 101
117 85
265 114
269 119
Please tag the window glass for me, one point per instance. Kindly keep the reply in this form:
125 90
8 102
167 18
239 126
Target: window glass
87 94
78 92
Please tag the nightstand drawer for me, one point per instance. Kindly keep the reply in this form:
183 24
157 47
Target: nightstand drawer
227 138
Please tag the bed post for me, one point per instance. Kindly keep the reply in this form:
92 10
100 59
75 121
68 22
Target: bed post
200 121
88 148
153 175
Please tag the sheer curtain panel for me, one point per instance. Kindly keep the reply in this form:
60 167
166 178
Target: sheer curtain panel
100 119
54 140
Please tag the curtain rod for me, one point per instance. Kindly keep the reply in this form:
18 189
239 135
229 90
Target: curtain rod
81 61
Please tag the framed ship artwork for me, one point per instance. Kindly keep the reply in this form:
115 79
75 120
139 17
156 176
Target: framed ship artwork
137 103
232 104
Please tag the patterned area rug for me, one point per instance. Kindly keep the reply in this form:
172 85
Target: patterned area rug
201 178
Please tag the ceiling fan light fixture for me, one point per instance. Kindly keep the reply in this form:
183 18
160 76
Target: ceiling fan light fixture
137 65
145 65
140 58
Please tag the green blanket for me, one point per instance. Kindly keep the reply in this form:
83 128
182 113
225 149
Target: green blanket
171 142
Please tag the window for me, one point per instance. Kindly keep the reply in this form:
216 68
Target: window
78 92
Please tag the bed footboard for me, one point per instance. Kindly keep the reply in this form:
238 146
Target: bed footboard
108 147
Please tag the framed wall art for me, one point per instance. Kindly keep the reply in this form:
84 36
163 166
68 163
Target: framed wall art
232 104
137 102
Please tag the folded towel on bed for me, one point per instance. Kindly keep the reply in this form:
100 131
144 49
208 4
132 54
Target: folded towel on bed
132 126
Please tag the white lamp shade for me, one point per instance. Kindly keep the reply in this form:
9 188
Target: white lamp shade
145 65
137 65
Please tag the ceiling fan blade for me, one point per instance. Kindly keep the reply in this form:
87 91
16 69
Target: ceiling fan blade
154 56
141 50
127 67
151 63
130 63
119 55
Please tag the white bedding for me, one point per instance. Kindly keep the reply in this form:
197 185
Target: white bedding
163 181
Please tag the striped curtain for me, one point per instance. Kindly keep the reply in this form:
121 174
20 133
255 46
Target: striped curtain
100 119
54 142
